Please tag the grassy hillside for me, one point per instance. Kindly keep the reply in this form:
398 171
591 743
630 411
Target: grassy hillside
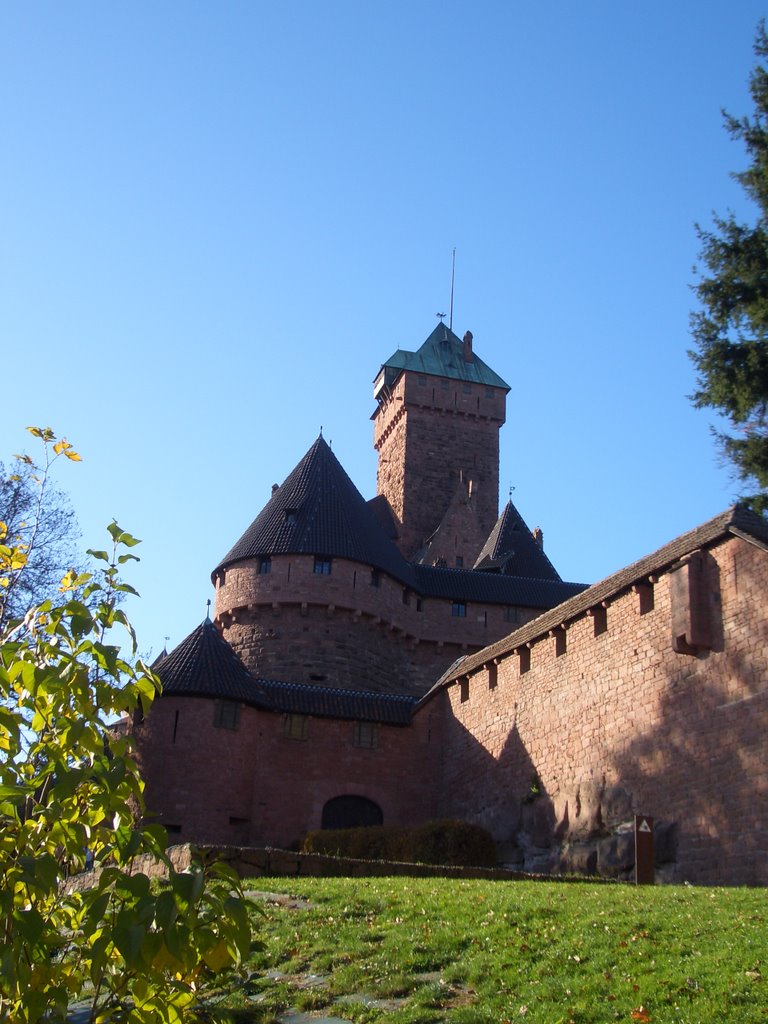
464 952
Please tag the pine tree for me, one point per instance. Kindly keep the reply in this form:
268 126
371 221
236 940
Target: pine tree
731 328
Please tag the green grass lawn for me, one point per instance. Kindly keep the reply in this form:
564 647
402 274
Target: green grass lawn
429 950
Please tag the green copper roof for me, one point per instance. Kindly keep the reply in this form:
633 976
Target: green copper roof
442 355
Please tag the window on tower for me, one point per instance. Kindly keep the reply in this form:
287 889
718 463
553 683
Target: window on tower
226 714
322 566
459 609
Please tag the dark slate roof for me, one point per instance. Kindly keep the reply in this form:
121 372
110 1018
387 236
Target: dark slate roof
327 702
442 355
736 521
495 588
329 517
204 665
511 549
319 511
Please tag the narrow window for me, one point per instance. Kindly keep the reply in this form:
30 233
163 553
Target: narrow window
493 675
599 619
322 566
375 578
406 595
265 566
366 735
175 726
226 714
459 609
644 592
464 690
296 727
418 604
525 660
560 642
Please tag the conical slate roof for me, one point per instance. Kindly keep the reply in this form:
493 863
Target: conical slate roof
442 355
512 550
204 665
319 511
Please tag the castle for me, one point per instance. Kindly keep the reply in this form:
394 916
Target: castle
418 656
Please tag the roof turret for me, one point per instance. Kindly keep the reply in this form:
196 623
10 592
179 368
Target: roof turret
204 665
512 549
319 511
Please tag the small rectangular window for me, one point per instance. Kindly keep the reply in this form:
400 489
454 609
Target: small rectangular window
296 727
265 566
561 643
459 562
493 676
322 566
406 595
375 577
599 619
464 690
366 735
511 614
525 660
645 593
226 714
459 609
467 389
444 384
422 381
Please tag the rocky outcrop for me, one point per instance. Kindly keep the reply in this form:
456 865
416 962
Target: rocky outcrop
586 831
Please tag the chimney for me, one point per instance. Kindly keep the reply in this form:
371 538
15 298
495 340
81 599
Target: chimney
538 536
468 347
275 488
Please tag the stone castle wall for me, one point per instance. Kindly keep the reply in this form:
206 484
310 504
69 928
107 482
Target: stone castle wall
554 747
254 784
341 630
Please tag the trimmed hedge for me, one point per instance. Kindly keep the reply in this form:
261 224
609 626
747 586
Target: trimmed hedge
447 842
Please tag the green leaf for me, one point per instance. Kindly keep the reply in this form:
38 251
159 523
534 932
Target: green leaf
128 939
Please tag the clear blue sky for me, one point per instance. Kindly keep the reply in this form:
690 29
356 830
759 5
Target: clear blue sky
218 220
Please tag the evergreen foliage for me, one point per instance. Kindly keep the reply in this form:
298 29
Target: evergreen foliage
731 328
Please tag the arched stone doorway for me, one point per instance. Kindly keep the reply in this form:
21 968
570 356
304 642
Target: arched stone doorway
351 812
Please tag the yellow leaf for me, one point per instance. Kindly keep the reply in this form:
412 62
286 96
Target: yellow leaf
73 456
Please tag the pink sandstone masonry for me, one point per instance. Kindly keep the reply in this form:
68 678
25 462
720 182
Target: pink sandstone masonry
341 631
429 431
256 785
554 744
